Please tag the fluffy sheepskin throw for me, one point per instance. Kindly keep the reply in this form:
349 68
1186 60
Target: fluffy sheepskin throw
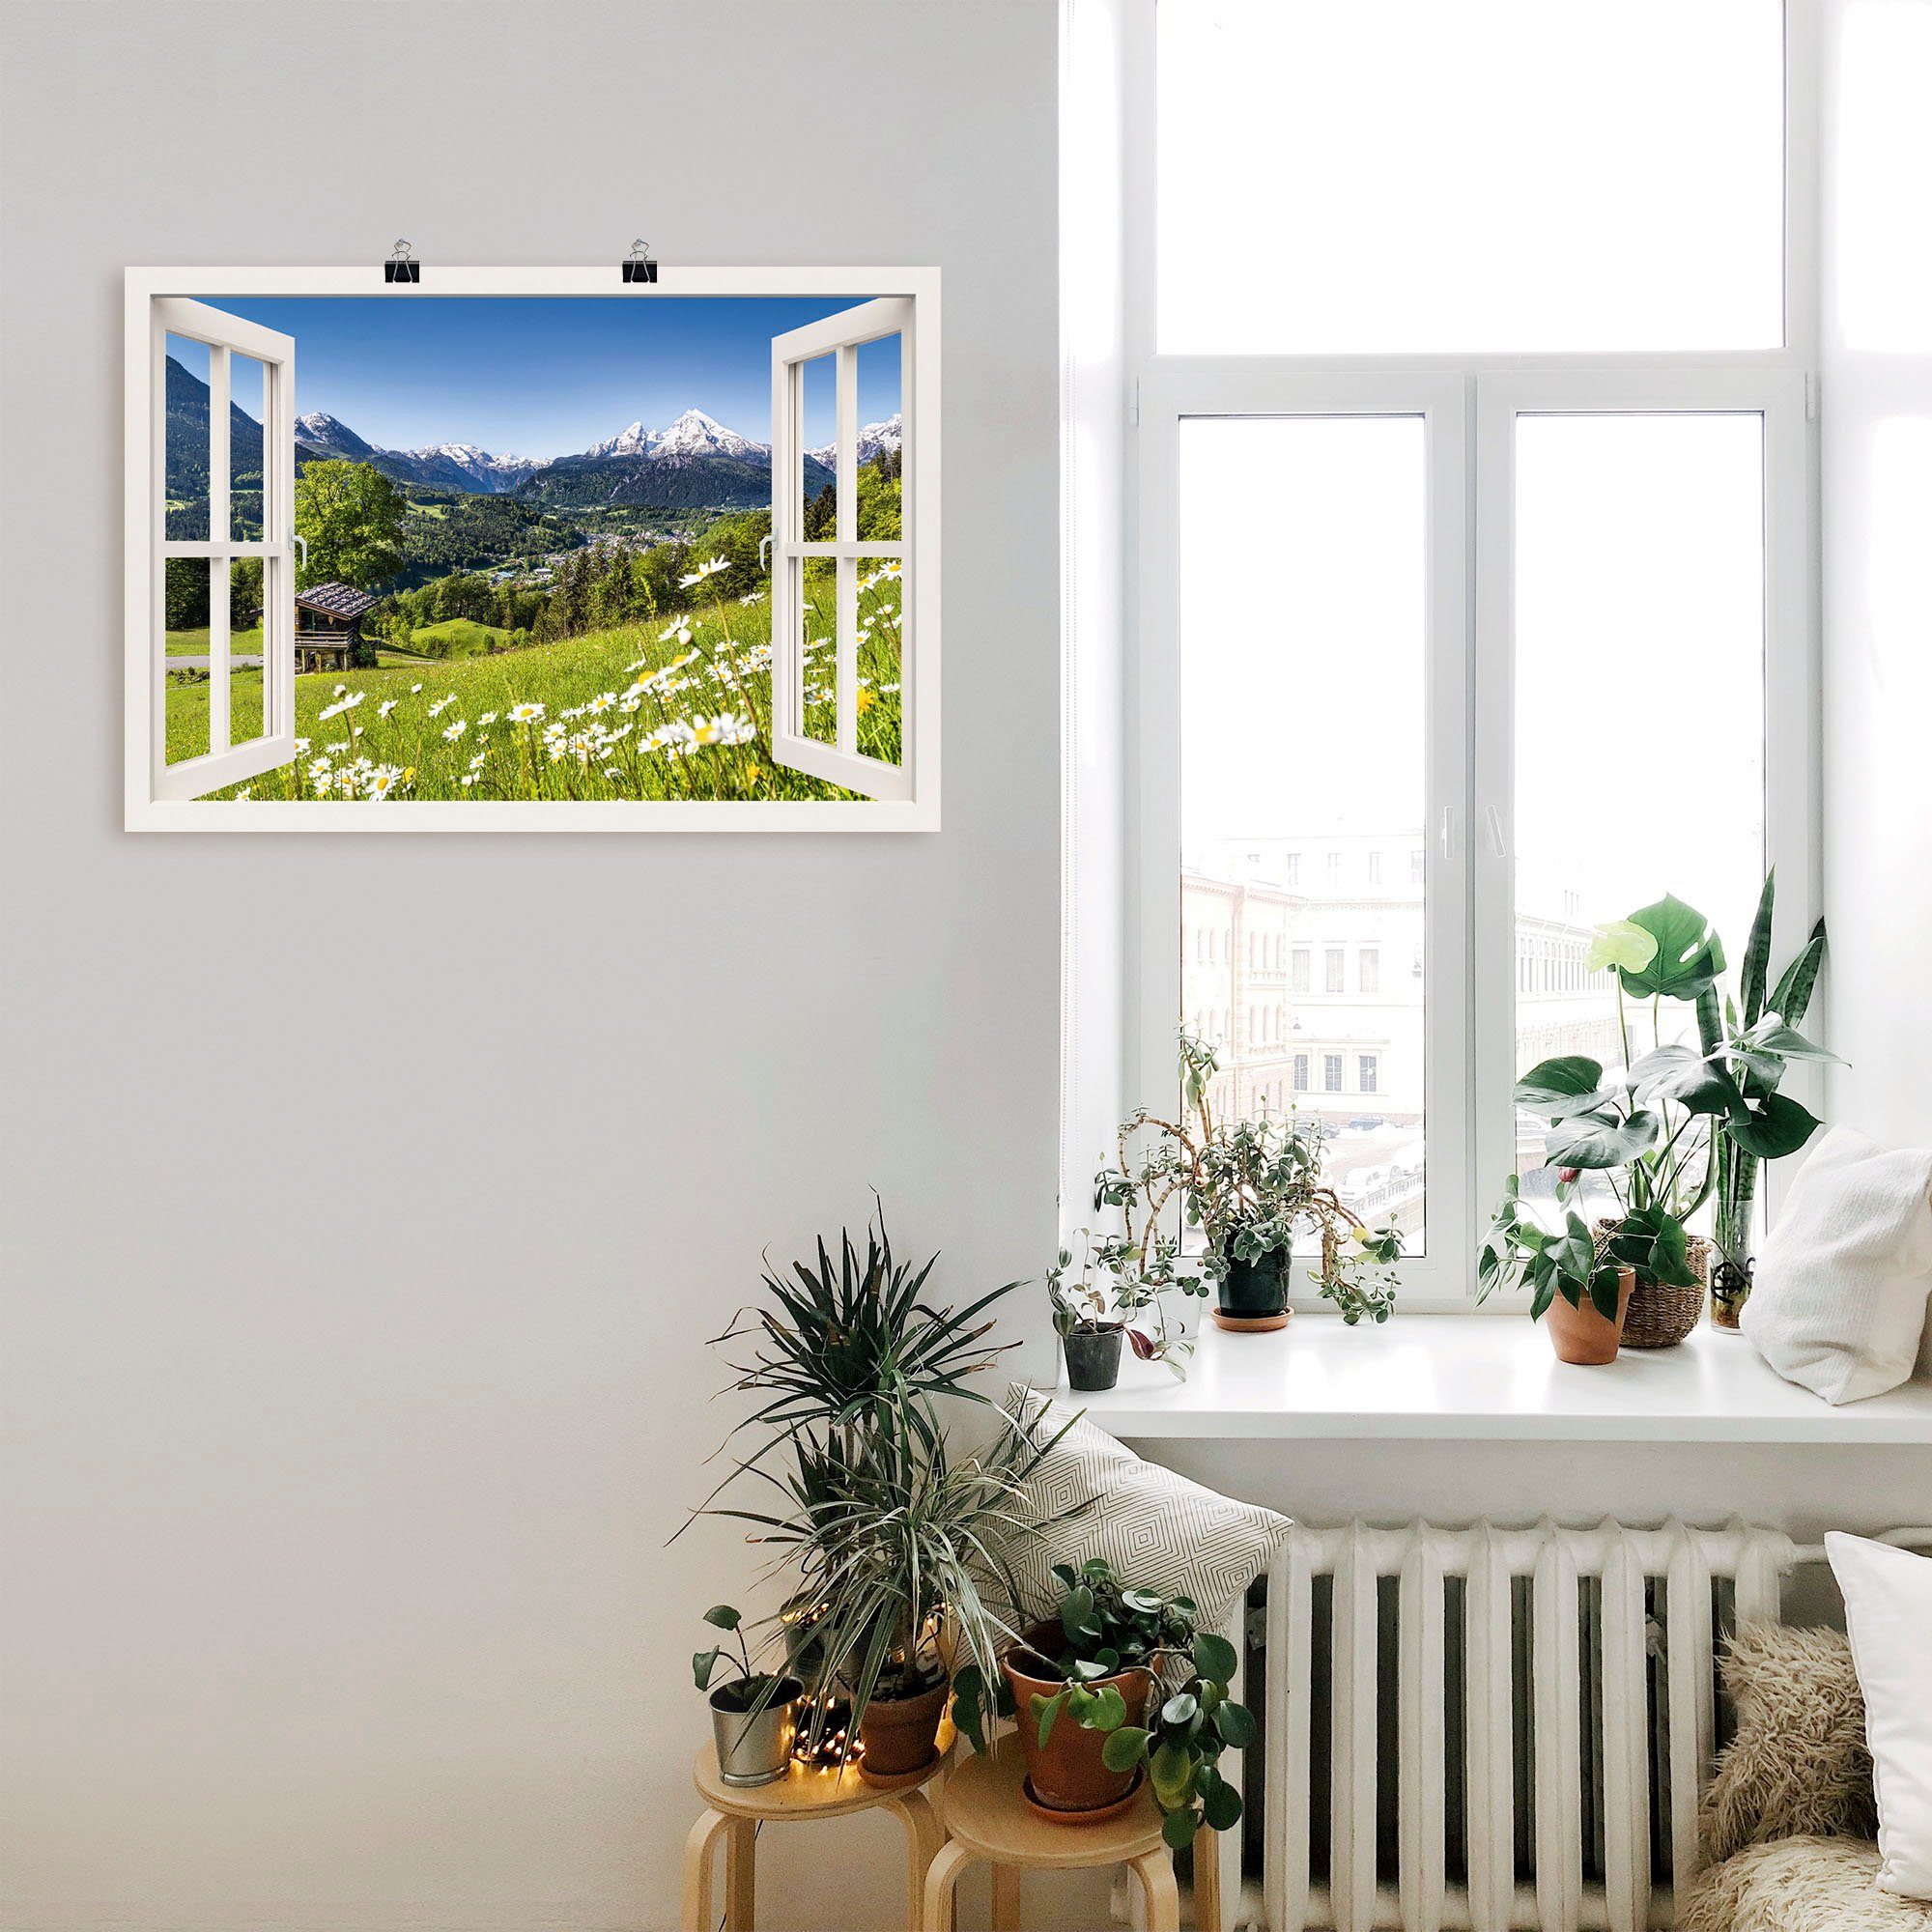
1798 1764
1799 1885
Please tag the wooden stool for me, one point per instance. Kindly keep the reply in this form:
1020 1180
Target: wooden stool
735 1813
986 1819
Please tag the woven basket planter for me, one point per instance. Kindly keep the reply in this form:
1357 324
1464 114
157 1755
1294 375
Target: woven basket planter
1659 1316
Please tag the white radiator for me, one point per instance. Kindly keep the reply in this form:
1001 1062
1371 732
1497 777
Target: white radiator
1587 1654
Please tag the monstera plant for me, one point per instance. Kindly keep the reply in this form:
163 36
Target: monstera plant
1682 1124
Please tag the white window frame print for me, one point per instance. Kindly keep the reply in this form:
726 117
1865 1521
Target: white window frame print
146 805
1470 1026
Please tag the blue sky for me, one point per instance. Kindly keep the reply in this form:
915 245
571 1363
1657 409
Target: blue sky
549 376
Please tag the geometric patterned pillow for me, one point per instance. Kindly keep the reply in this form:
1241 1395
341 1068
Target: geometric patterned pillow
1159 1531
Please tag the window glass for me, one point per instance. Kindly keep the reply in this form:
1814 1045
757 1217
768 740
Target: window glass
1393 175
1336 506
1639 630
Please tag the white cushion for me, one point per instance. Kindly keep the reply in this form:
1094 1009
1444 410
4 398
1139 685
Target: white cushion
1888 1618
1838 1300
1156 1528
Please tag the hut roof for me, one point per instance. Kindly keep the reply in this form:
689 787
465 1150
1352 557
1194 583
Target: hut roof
335 600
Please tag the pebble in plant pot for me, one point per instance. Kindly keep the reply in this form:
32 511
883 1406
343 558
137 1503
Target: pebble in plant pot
752 1713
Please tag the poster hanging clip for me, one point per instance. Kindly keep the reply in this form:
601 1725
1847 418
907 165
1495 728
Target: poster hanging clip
402 265
637 266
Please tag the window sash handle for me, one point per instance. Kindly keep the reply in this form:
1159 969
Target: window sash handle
1492 824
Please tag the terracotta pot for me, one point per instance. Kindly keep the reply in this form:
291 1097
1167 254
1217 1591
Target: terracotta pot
1582 1335
1065 1773
901 1734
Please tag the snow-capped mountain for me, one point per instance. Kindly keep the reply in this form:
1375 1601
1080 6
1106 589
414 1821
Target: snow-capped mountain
875 440
332 438
445 461
693 433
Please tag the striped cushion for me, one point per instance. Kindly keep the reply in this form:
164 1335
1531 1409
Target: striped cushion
1158 1530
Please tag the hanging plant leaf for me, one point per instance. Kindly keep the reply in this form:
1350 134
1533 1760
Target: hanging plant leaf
1690 955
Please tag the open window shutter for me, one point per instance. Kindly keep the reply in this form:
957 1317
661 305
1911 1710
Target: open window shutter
838 760
226 763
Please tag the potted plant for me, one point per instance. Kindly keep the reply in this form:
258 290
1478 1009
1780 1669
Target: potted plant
885 1535
1682 1124
1582 1290
1758 1041
1252 1187
1094 1313
1084 1685
752 1712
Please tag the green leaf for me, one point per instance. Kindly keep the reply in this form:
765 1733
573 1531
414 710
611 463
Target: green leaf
1177 1829
1237 1725
1179 1710
1771 1035
1792 994
1109 1711
1757 953
1222 1808
1602 1140
1171 1771
1124 1747
723 1615
968 1691
1214 1656
1777 1127
1606 1292
703 1663
1699 1085
1559 1088
1146 1602
1045 1710
1690 955
1620 943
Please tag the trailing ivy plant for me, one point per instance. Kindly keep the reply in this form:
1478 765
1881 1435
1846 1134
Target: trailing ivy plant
1251 1186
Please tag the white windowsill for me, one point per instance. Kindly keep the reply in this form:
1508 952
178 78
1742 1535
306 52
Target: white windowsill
1469 1377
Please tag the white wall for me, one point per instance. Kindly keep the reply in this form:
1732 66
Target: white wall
367 1201
1875 418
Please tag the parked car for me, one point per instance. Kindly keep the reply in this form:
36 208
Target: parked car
1362 1123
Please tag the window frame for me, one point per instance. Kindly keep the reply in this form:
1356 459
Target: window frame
145 811
1470 993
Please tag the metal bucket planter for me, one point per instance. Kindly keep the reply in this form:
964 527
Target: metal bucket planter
754 1741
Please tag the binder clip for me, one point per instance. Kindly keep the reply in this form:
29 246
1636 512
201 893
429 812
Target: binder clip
637 266
402 265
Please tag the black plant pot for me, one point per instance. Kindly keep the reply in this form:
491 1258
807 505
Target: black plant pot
1252 1290
1093 1359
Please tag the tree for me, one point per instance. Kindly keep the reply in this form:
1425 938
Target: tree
244 593
350 517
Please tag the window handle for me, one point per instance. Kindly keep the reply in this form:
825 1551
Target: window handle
1492 822
1445 832
301 544
764 551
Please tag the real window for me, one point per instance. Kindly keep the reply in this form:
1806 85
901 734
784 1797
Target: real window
1465 491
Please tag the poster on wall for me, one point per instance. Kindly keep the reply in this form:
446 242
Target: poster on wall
535 549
